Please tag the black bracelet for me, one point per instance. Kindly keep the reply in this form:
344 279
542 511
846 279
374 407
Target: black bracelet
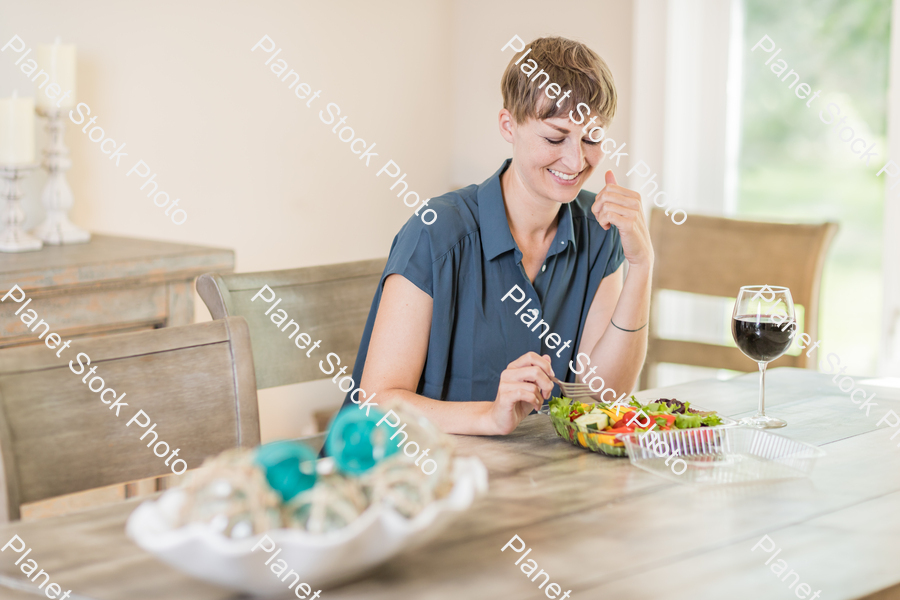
628 330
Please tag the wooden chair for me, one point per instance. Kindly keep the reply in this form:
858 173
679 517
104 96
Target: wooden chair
716 256
195 382
329 302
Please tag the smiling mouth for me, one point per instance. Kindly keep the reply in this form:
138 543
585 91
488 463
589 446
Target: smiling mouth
564 176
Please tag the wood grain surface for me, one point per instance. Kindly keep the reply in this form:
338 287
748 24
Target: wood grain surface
597 525
57 436
109 285
330 303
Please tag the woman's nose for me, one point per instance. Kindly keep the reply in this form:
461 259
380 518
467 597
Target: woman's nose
574 157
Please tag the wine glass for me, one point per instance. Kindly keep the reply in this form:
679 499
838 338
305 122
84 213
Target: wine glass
763 326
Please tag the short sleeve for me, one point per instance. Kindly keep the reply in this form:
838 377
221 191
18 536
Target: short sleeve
411 257
617 255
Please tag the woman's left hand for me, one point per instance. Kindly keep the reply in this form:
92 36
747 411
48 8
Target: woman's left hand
619 206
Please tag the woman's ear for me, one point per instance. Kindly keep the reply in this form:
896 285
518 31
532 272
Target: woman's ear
507 125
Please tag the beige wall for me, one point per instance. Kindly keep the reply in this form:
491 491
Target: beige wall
256 170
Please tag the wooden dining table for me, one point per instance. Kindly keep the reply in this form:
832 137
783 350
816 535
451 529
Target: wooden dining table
600 527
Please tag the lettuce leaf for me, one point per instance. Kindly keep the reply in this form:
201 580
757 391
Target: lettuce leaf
711 420
559 407
688 421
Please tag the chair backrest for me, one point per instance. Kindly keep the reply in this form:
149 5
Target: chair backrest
57 436
330 303
715 256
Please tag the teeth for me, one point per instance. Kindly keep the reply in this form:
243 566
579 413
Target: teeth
563 175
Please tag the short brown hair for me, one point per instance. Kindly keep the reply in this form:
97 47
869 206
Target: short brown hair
569 64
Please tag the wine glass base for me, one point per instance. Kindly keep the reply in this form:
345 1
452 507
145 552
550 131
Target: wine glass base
762 422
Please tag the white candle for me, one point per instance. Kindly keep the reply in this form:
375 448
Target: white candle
16 130
59 61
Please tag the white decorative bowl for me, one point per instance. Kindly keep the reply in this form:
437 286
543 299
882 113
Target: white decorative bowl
320 559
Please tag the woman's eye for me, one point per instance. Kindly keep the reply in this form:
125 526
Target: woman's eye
589 141
555 142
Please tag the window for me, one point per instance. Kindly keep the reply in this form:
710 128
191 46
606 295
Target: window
738 141
793 166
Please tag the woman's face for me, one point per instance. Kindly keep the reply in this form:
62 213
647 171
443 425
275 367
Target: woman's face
552 157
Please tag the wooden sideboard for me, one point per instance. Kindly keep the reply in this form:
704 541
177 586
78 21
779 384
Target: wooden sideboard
108 285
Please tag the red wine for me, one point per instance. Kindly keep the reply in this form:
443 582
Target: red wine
761 338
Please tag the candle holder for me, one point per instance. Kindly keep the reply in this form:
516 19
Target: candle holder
13 238
57 196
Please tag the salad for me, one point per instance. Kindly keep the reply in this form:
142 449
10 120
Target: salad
596 425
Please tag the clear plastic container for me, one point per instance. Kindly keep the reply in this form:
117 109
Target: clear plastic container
710 455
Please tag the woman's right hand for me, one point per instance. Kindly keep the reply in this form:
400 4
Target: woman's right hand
524 385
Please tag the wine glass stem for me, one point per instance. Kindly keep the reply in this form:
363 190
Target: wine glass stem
762 389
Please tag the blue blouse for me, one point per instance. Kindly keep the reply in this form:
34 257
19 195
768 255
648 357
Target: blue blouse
467 261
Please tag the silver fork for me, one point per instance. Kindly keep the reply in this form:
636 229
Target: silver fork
574 390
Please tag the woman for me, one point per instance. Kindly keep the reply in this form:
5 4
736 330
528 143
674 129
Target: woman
440 334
